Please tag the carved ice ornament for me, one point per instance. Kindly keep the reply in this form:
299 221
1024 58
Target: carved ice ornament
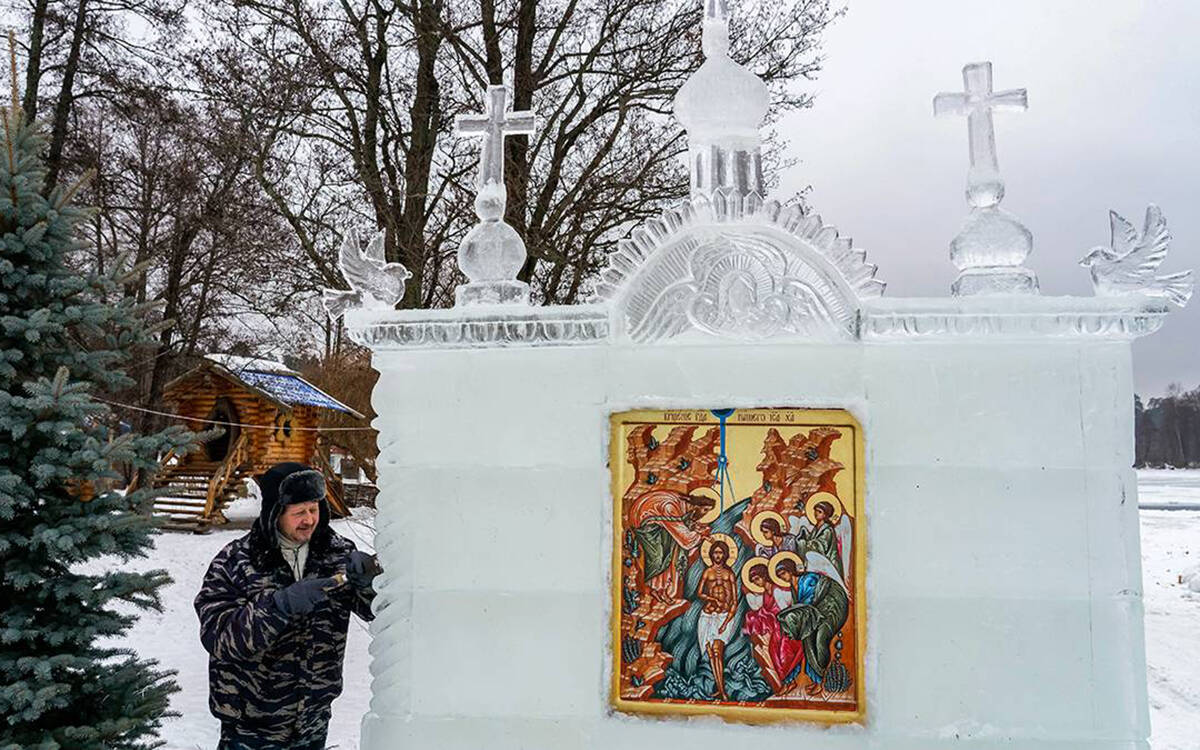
1129 266
374 283
738 268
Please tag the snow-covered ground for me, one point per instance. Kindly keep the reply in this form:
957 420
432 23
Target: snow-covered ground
173 637
1170 550
1168 487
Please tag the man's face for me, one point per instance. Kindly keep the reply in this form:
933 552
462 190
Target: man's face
719 554
696 511
298 521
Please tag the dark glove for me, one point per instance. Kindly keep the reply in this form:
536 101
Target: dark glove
362 568
302 596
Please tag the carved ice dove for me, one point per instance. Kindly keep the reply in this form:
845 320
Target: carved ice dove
374 282
1129 266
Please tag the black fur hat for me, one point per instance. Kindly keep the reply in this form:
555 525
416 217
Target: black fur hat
306 486
281 485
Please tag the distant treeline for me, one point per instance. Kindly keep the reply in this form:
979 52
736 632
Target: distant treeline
1167 429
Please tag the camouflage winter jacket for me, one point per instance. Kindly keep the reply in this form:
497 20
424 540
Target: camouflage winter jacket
270 676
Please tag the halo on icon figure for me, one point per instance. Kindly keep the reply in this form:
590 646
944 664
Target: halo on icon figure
711 494
810 507
779 557
756 530
748 568
706 548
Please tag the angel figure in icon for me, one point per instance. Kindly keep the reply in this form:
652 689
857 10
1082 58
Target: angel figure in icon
819 609
825 529
718 591
770 537
778 657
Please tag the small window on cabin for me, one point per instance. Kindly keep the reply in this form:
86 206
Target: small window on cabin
287 428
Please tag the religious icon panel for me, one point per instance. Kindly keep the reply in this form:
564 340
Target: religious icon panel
738 555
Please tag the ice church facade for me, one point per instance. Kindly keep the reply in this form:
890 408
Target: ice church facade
994 588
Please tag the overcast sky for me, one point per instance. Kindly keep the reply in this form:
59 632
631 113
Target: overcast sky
1113 122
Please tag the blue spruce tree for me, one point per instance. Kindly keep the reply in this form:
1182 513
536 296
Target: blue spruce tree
64 595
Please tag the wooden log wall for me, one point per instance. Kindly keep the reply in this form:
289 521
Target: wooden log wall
298 446
195 399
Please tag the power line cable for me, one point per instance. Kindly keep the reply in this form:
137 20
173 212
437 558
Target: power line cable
226 424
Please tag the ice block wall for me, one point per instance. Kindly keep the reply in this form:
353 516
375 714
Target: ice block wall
1004 587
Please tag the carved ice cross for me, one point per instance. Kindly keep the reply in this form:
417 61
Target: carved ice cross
493 125
984 186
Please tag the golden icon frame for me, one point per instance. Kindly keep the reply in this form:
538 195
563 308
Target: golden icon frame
789 421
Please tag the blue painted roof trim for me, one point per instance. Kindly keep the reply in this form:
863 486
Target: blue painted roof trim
292 390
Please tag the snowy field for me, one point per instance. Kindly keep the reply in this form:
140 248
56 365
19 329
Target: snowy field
1168 487
173 637
1170 549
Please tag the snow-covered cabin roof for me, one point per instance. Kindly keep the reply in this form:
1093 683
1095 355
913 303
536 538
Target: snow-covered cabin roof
269 379
235 363
292 390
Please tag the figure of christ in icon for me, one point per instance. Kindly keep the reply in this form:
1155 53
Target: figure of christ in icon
718 592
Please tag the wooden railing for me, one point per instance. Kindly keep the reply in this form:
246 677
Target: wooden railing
226 472
162 466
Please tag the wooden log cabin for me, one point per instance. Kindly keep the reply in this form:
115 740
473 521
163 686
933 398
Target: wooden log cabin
269 414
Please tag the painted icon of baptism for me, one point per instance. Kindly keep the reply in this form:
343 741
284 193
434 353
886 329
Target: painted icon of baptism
738 581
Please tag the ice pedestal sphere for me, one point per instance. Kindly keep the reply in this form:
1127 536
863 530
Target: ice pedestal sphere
995 280
491 255
989 251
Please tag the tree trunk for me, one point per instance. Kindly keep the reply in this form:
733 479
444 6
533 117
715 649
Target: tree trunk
213 262
493 61
66 97
33 73
516 148
425 117
158 370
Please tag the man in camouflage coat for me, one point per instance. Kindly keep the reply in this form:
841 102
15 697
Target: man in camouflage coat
274 609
